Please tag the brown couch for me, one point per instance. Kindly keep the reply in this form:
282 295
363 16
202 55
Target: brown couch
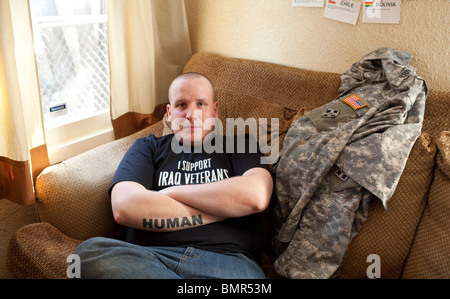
411 237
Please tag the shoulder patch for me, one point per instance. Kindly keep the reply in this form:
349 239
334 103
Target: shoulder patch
330 114
355 102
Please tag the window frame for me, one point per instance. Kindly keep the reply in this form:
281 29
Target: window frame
73 138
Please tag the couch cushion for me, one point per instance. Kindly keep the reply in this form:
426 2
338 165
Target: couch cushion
389 233
430 252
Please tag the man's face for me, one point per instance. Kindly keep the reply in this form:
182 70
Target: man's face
191 105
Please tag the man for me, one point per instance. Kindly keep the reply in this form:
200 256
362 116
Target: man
190 213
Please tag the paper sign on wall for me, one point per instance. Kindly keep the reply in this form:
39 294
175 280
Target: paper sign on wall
308 3
381 11
343 11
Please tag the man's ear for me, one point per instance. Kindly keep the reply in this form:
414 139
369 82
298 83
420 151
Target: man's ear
169 113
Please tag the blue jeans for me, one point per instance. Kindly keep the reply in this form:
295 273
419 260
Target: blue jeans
110 258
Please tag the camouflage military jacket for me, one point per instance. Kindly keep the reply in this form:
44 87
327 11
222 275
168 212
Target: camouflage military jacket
341 155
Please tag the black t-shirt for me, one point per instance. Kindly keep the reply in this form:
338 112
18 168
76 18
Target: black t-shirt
152 163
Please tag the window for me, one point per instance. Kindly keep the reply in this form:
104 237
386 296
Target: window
70 39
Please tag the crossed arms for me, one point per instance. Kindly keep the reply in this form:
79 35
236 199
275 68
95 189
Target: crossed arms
181 207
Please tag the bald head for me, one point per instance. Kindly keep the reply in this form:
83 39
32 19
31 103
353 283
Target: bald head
187 77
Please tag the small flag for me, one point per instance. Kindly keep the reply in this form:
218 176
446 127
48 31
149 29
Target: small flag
355 102
331 1
368 4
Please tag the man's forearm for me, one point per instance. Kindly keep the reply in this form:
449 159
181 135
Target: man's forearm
136 207
234 197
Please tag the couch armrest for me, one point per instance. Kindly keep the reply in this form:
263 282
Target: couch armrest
430 251
73 195
39 250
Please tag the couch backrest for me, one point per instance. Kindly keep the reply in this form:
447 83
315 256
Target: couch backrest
437 112
289 87
246 88
255 89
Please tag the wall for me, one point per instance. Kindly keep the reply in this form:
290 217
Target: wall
275 31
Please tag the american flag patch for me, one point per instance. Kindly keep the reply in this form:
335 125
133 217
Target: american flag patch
355 101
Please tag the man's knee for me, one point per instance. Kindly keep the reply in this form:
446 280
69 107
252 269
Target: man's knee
90 245
99 257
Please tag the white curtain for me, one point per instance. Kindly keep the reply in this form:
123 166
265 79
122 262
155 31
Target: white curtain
23 152
148 44
148 47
